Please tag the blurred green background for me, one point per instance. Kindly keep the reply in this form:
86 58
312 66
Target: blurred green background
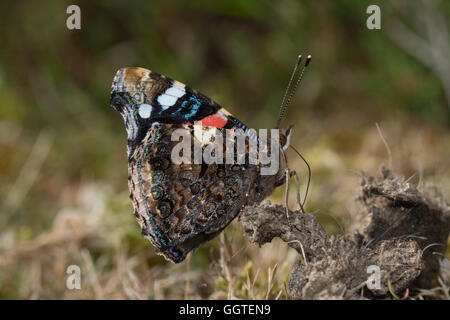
63 169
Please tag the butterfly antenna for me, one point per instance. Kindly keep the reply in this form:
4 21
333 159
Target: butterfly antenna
284 103
282 107
309 174
308 59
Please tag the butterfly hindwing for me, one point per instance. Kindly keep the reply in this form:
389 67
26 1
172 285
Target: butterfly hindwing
180 206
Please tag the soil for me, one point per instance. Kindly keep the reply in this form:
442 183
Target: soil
401 236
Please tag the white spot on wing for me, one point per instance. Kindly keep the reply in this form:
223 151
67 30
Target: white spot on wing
166 101
175 91
145 110
171 95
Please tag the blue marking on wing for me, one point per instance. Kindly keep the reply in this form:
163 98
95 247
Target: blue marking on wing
195 105
190 108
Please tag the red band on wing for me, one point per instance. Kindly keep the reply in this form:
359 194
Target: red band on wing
214 120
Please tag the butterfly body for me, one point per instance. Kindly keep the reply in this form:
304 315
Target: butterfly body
182 205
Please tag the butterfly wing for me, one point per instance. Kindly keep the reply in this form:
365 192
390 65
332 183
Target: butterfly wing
170 101
180 206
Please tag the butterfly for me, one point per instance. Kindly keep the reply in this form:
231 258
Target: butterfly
180 206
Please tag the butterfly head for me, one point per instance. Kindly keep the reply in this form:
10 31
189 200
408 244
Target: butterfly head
285 137
284 140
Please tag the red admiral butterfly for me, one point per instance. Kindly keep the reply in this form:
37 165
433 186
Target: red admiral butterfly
180 206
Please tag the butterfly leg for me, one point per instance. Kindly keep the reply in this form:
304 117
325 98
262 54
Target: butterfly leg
297 185
286 193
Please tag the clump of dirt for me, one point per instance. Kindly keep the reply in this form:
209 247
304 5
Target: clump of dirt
396 209
401 238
